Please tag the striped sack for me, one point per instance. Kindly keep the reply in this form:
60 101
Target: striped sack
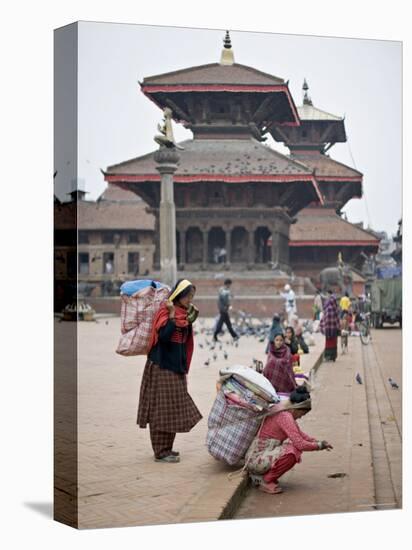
231 430
136 319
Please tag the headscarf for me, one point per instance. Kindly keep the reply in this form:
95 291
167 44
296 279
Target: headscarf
287 405
329 324
182 319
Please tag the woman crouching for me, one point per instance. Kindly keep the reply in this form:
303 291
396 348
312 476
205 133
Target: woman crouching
165 403
270 455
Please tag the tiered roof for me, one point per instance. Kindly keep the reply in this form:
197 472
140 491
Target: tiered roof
323 227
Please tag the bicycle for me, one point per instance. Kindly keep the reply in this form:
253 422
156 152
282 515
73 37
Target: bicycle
365 329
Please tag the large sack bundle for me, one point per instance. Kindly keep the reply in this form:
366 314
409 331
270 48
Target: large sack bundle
231 430
140 303
253 380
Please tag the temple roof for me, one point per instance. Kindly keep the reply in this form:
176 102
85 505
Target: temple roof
215 73
325 167
309 112
219 157
117 194
115 209
323 227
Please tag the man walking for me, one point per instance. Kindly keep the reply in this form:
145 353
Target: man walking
223 303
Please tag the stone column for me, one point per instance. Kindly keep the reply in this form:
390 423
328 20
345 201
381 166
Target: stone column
166 159
251 249
205 248
183 247
275 245
228 247
156 253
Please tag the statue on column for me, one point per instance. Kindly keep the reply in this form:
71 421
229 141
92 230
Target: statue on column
166 138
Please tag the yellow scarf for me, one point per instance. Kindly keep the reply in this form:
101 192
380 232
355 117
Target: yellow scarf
180 288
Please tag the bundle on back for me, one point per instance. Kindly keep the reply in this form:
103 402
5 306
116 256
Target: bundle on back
141 300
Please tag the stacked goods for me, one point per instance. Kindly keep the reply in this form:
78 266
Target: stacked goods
300 377
244 397
140 302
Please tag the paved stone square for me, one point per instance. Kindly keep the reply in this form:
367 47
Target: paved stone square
119 482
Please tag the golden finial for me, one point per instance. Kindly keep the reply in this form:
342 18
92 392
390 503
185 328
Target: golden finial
306 98
227 57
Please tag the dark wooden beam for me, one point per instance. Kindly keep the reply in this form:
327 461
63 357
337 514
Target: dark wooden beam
326 133
183 114
260 112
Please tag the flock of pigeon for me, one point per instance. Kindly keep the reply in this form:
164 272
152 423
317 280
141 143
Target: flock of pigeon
259 332
391 381
221 349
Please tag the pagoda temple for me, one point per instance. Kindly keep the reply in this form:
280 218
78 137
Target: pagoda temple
233 193
321 233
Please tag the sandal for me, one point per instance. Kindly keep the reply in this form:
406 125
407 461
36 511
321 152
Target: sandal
271 488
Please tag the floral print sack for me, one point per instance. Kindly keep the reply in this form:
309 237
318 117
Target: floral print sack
261 455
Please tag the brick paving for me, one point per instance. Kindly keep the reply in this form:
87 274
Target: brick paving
119 483
350 416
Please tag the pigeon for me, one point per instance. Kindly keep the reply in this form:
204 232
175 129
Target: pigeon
225 355
207 363
220 347
393 384
201 346
358 378
236 344
262 339
214 357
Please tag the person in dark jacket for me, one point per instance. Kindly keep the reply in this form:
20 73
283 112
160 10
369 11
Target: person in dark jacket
275 327
223 303
165 403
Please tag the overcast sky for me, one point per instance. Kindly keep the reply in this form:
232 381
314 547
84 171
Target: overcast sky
358 79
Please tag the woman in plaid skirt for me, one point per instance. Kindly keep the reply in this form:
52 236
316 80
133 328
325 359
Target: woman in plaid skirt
165 403
330 325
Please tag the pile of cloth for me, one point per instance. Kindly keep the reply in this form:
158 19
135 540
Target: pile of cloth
244 397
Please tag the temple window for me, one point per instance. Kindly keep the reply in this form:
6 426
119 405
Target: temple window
83 263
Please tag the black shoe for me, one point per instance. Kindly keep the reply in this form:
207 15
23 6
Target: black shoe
168 458
215 339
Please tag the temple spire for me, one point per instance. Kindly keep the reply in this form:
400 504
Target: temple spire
227 57
306 98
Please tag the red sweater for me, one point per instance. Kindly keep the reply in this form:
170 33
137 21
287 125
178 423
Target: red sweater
283 426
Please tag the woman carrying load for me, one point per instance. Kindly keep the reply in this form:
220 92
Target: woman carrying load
329 325
165 403
280 443
278 369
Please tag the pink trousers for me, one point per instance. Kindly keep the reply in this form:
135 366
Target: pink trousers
283 464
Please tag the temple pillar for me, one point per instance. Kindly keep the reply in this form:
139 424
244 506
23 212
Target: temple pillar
275 245
251 248
182 247
205 248
156 254
228 235
166 164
